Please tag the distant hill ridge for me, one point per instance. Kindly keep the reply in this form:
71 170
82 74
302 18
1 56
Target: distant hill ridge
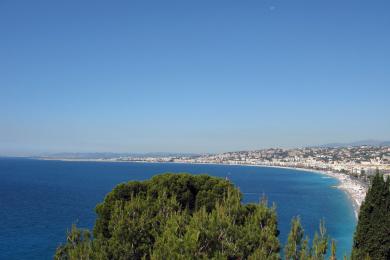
101 155
358 143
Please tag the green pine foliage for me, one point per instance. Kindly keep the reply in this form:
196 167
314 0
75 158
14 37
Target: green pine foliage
372 236
182 216
297 246
333 250
320 243
176 216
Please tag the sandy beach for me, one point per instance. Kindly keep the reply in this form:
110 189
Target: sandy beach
354 188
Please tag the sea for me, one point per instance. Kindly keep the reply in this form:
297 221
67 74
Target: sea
41 199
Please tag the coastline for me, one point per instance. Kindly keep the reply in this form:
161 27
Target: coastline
354 188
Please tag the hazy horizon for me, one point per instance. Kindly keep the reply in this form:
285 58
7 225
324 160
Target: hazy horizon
198 77
54 152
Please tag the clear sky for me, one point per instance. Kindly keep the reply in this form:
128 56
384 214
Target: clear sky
192 76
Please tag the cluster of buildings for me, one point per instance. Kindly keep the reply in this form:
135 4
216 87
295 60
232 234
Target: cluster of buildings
358 161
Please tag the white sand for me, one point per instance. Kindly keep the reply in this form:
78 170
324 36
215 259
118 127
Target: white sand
355 189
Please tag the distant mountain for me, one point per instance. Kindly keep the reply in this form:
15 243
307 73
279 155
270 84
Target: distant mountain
358 143
81 155
112 155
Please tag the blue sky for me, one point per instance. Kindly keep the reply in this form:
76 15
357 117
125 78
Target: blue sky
192 76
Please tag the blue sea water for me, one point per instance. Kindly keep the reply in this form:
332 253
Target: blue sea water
39 200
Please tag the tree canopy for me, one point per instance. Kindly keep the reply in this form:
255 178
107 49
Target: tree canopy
183 216
176 216
372 235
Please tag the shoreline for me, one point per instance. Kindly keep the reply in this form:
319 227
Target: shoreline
353 188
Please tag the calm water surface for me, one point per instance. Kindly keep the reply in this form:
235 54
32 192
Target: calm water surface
39 200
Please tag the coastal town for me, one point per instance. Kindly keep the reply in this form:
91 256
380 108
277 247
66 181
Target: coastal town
360 162
353 166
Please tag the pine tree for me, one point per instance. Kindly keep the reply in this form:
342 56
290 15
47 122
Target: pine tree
320 243
78 245
297 248
333 250
372 236
187 217
295 241
177 216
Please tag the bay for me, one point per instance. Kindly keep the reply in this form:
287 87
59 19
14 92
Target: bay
40 199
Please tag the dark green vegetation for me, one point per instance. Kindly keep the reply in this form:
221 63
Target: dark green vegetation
372 236
297 246
181 216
